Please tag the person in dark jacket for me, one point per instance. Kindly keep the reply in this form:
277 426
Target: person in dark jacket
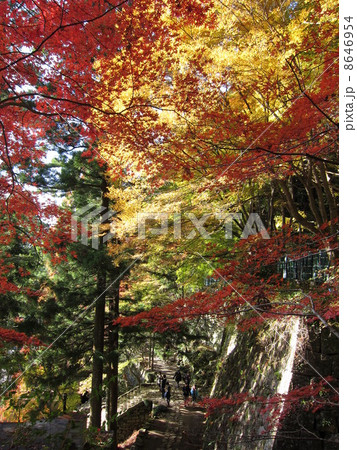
186 393
187 378
159 380
168 393
64 400
163 385
84 397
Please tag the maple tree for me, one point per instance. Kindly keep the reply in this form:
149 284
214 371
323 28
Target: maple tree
49 83
193 107
291 165
261 132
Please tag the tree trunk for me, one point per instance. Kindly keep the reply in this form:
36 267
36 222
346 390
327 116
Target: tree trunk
98 337
328 192
320 196
113 360
98 351
306 180
293 208
271 208
153 352
149 355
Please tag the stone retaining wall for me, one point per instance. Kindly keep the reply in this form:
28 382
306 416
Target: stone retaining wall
303 430
133 419
263 363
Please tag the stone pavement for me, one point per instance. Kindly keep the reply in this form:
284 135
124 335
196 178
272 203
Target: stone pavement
179 428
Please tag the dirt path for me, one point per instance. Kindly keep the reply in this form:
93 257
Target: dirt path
179 427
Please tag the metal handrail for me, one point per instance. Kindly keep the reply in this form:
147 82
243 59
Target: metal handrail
125 406
131 390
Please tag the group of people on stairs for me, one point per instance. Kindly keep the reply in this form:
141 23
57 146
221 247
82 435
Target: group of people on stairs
187 390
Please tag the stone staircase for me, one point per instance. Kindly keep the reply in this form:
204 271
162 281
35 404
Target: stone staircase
163 433
178 428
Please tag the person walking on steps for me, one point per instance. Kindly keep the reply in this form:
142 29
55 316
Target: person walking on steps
168 393
186 393
84 397
163 384
194 393
187 378
159 380
64 400
178 377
